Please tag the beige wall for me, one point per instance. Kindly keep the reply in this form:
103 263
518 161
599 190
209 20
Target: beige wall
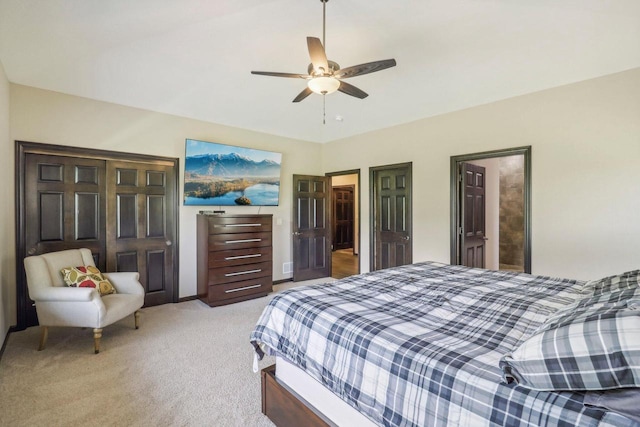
49 117
7 250
585 140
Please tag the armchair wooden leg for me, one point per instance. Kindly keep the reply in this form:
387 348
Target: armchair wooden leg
97 334
136 315
43 337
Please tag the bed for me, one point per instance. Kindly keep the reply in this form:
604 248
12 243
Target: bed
430 344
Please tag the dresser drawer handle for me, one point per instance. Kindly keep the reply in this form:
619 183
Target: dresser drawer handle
242 257
239 273
242 225
241 289
243 241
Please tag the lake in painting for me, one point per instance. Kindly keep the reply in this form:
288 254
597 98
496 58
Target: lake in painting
260 195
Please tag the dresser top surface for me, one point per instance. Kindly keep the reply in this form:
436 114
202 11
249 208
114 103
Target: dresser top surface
225 215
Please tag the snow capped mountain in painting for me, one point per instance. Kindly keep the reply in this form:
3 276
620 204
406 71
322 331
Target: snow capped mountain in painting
230 165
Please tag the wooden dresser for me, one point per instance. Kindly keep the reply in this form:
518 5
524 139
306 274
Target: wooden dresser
234 257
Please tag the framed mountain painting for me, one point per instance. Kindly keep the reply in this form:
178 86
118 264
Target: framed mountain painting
226 175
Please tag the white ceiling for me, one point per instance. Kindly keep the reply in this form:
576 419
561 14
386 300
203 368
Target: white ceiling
193 58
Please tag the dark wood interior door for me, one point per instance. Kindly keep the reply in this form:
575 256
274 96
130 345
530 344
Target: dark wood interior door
473 216
63 209
343 213
391 216
311 227
140 234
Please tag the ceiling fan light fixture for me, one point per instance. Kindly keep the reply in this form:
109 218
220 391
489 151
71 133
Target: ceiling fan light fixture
323 85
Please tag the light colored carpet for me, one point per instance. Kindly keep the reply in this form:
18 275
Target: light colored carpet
188 365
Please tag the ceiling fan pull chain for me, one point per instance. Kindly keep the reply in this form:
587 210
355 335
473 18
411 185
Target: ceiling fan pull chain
324 109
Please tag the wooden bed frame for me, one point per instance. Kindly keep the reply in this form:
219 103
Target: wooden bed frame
285 407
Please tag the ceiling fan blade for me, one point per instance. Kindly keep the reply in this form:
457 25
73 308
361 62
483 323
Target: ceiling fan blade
302 95
369 67
352 90
317 54
292 75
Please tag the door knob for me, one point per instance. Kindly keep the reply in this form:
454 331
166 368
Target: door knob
168 242
296 233
406 237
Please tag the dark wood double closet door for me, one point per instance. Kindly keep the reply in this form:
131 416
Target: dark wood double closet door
121 206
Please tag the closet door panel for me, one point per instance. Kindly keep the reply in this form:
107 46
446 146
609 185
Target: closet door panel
63 207
144 233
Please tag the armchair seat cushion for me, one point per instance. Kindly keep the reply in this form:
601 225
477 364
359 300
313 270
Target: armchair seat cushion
119 306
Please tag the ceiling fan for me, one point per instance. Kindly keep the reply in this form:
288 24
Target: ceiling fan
325 76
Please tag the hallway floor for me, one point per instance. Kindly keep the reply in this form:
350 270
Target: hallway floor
344 263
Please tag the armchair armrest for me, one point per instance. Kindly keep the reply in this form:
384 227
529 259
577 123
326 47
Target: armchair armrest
125 282
63 294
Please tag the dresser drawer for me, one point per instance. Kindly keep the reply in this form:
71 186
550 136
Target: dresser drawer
225 225
239 289
239 256
239 272
223 242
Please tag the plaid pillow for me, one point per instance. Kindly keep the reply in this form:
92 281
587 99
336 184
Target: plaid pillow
592 344
597 300
619 282
87 276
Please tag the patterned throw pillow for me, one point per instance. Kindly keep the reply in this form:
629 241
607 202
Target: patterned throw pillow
592 344
619 282
87 276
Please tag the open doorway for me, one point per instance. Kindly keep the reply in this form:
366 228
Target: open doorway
345 234
491 210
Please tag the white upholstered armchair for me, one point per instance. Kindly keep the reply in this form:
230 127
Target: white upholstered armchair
58 305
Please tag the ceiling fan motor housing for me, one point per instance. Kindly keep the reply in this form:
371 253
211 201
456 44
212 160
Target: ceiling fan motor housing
333 67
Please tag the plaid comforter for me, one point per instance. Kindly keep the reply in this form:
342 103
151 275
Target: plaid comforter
419 345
